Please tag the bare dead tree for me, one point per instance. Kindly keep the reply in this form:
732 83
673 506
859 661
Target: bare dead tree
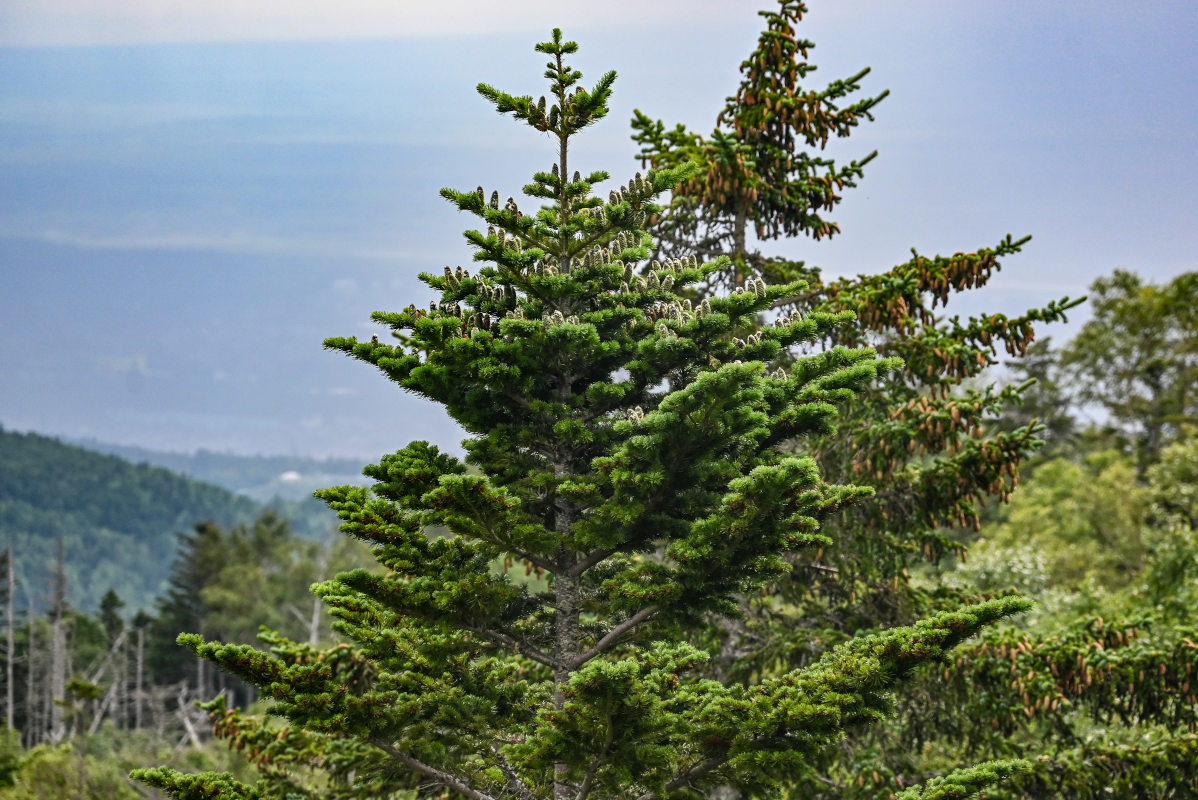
139 669
10 644
58 650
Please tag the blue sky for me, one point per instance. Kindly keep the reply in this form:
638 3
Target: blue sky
195 195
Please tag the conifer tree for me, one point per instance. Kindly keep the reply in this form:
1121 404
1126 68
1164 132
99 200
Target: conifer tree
1102 701
624 448
182 608
921 436
763 170
110 614
925 437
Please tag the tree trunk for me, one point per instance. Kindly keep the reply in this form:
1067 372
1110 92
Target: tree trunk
138 688
58 651
32 712
739 260
10 648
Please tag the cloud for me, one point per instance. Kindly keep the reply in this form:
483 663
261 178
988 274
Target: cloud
228 243
80 22
334 391
133 364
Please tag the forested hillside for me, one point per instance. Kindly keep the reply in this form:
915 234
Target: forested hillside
118 521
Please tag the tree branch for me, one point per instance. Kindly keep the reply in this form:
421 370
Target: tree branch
591 560
531 558
444 778
517 785
585 788
613 634
593 768
516 645
698 770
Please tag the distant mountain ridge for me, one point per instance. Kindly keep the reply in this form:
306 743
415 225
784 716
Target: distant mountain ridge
119 520
260 477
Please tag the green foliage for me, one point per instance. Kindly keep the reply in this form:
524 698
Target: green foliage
753 173
95 766
1137 358
1098 689
54 772
181 606
110 614
263 579
1171 579
117 520
1075 526
1046 401
964 782
228 583
623 440
10 756
922 437
1093 538
1153 763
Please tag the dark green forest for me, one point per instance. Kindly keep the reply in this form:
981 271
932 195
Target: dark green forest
727 527
118 521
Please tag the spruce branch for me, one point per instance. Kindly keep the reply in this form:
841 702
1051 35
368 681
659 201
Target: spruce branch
446 779
684 779
615 633
514 643
517 785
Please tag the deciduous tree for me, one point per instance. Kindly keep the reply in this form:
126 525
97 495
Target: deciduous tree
1137 359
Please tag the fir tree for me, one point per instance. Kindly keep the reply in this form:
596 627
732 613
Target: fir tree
624 448
920 435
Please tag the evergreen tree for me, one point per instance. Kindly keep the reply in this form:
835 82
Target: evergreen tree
755 177
624 446
110 614
923 436
181 607
928 438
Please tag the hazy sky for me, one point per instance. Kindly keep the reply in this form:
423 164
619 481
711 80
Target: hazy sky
194 195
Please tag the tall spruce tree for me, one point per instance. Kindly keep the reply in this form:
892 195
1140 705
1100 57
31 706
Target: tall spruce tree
624 445
922 435
927 437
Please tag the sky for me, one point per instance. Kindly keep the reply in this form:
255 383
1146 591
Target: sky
194 195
